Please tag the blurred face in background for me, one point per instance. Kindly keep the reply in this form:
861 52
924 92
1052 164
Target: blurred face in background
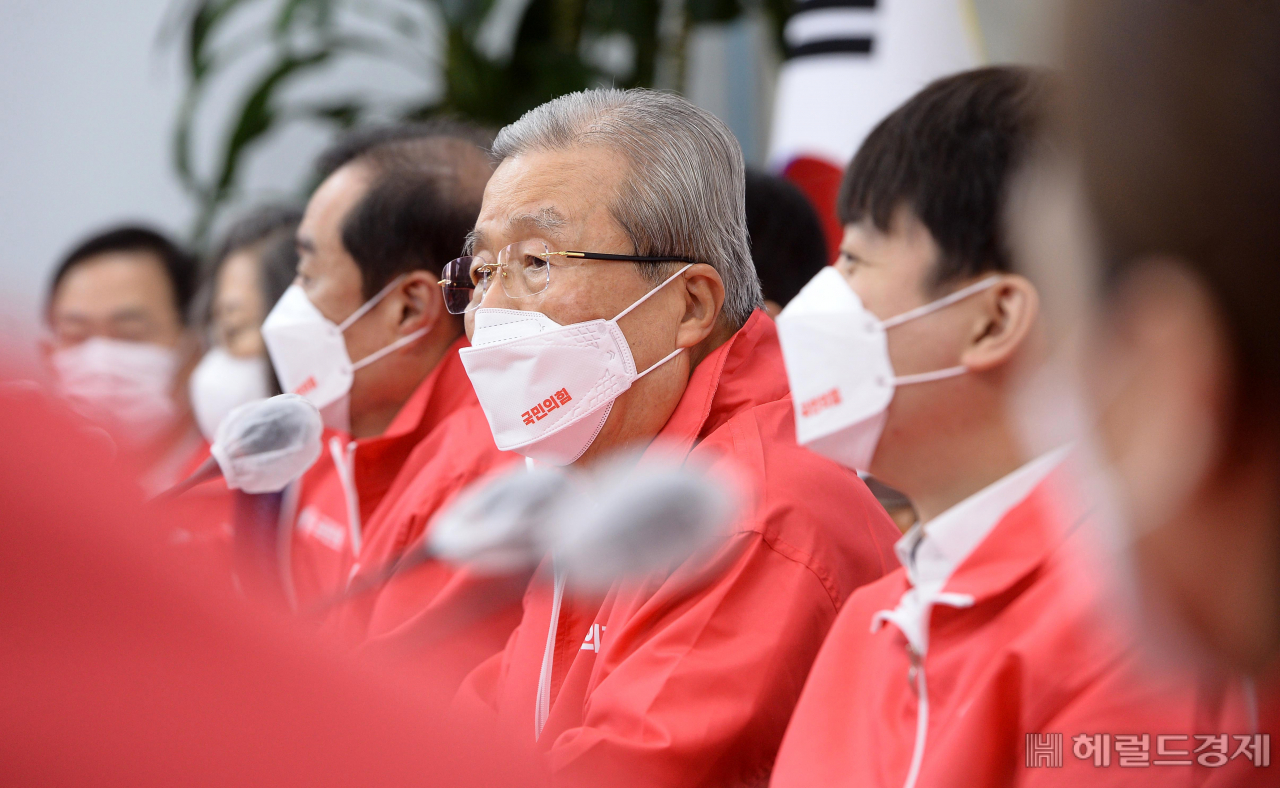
238 305
118 295
120 351
235 370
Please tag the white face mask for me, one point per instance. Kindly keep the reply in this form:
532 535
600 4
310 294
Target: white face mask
124 387
310 356
545 388
837 360
222 382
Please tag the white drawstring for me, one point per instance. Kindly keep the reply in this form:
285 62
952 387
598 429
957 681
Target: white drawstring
344 461
542 709
911 617
284 541
542 704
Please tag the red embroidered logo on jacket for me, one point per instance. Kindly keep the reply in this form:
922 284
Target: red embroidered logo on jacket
820 403
305 386
539 412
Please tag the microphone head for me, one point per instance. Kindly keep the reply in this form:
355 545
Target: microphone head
638 518
263 445
503 525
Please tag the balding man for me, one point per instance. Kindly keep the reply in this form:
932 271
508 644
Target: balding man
362 333
612 304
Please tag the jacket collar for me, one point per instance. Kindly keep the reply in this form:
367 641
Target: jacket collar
445 388
932 551
442 392
1022 541
745 371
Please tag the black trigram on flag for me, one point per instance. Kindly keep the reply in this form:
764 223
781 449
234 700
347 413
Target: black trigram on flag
806 43
1044 749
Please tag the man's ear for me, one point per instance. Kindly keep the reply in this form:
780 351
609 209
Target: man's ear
1006 315
421 304
703 292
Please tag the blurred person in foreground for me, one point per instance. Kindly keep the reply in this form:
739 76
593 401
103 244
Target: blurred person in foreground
1172 265
122 350
612 305
903 359
363 333
119 668
253 265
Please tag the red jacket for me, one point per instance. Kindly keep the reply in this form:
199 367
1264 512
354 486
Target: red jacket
198 524
337 499
442 619
1037 651
658 685
119 667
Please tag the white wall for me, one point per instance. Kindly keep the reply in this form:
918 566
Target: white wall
87 106
89 97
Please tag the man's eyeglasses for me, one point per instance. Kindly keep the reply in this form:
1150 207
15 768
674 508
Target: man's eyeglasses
524 268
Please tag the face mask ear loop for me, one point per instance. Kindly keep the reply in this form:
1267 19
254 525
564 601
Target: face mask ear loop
399 343
370 304
662 361
645 297
927 377
947 300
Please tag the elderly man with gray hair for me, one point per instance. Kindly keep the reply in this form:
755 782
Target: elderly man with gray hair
612 303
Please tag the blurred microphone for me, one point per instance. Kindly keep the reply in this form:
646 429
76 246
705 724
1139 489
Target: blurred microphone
621 519
261 446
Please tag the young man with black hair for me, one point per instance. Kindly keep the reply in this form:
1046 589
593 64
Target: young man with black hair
363 334
995 635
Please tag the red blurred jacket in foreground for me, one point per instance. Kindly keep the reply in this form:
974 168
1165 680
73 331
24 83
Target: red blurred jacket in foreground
118 668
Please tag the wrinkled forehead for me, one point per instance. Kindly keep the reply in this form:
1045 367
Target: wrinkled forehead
552 195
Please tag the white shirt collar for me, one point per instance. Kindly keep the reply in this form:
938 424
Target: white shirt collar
932 551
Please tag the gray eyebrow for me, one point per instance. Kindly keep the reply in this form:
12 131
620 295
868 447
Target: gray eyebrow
547 219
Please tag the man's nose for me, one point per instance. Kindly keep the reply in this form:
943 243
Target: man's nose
495 296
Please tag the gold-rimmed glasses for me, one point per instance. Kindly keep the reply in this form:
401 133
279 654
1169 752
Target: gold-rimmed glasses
524 268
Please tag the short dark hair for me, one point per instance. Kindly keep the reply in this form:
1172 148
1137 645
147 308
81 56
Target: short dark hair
1178 115
423 198
787 243
359 142
179 265
947 154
